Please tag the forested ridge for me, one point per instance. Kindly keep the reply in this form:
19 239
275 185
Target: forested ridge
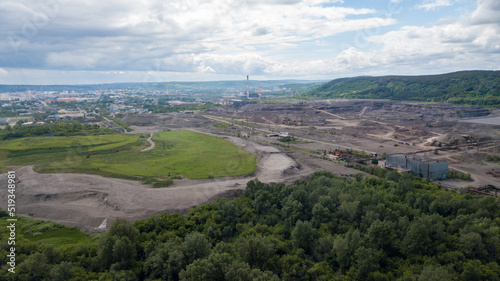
396 227
465 87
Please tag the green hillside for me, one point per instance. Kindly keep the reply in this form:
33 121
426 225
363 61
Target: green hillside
465 87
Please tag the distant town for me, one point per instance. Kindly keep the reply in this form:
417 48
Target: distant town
38 106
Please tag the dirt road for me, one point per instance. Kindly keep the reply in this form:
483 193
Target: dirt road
270 132
85 200
151 142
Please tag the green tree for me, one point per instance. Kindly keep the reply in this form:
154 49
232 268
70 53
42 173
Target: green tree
321 271
35 267
292 211
358 177
255 250
212 268
472 245
105 252
417 240
228 211
349 210
195 246
118 275
122 228
118 245
393 176
241 271
52 253
475 270
434 273
262 202
61 271
295 267
367 260
303 235
164 261
382 235
321 214
124 253
341 252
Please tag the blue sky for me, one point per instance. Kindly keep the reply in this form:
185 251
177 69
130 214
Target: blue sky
95 41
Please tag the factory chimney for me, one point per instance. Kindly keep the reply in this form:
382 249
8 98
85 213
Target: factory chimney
248 89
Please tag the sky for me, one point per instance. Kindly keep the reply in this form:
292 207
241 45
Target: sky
109 41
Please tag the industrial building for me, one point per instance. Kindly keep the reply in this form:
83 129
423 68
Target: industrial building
424 167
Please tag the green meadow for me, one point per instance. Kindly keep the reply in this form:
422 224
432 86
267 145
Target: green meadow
176 153
43 232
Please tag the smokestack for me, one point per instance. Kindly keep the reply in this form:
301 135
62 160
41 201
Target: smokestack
248 89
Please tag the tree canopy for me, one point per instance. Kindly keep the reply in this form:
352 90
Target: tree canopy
323 228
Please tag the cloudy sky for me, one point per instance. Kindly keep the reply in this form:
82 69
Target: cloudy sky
103 41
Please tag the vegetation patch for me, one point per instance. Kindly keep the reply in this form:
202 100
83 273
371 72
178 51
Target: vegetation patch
163 183
80 143
453 174
222 125
197 155
59 128
42 232
176 153
493 158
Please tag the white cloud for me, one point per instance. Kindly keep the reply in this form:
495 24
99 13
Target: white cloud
3 72
111 35
487 12
434 4
452 46
449 46
205 38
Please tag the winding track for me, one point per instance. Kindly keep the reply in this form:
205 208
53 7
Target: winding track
151 142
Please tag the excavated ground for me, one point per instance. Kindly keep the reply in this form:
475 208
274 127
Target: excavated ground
85 201
382 126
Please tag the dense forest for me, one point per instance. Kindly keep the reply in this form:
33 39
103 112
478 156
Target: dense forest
395 227
465 87
60 128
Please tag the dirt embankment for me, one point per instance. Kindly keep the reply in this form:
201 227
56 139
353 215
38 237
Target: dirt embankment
85 201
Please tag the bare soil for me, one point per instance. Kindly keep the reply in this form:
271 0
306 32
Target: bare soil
84 201
381 126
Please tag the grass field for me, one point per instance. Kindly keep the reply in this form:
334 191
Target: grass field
99 142
176 153
44 232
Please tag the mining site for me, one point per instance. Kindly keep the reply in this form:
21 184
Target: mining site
291 139
461 135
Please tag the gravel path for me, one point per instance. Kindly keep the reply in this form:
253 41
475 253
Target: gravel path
151 142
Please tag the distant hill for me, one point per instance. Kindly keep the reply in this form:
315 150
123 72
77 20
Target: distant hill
465 87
